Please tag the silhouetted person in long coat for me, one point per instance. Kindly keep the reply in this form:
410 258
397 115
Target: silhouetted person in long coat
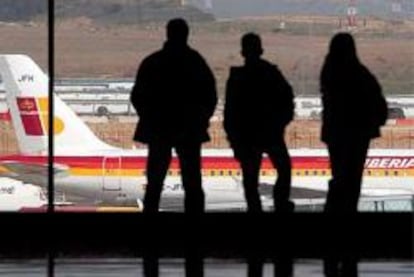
175 96
353 111
259 105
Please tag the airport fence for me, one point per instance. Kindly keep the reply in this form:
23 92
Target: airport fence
300 134
396 204
366 204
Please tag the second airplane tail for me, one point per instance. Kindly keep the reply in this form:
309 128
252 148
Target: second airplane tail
27 97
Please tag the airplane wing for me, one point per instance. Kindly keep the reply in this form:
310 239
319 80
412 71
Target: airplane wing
302 197
176 205
36 174
295 192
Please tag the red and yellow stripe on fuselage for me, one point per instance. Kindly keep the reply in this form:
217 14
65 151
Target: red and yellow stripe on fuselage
215 166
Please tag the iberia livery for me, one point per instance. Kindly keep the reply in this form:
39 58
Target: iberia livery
88 168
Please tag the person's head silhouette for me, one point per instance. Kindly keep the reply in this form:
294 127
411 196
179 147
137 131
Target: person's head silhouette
251 46
177 31
343 48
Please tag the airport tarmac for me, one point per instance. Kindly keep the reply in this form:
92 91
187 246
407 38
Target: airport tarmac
126 267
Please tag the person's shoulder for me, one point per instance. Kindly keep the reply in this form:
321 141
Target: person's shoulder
153 57
194 53
151 61
155 54
270 65
196 56
365 71
367 75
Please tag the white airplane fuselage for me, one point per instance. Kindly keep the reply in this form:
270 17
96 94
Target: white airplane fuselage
118 176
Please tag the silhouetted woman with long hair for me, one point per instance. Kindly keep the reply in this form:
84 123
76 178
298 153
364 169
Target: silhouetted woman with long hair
353 111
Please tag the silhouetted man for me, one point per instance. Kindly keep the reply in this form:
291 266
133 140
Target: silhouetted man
259 105
353 111
174 96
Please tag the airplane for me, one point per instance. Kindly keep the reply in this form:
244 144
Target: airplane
87 167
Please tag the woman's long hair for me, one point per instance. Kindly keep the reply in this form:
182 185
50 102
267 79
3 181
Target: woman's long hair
341 62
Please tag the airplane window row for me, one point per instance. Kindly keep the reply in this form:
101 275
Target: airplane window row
310 172
262 173
382 172
273 173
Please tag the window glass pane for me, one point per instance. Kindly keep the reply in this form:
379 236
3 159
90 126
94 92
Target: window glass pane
23 268
23 111
212 267
99 47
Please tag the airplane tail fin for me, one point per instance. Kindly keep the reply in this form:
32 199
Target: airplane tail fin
27 97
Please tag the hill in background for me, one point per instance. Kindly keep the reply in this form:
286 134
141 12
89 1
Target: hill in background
22 10
103 11
385 9
135 11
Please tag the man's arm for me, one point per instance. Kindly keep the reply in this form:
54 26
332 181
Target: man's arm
379 108
286 95
229 122
139 93
209 92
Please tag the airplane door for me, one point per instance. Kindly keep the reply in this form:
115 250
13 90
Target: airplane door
111 167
